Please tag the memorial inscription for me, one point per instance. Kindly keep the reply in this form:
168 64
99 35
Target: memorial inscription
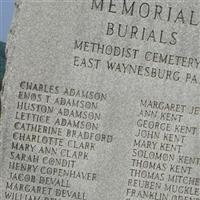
101 101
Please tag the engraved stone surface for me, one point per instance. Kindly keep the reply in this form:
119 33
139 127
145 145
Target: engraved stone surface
101 101
2 59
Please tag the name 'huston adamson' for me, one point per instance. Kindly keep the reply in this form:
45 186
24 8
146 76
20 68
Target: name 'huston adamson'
151 11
